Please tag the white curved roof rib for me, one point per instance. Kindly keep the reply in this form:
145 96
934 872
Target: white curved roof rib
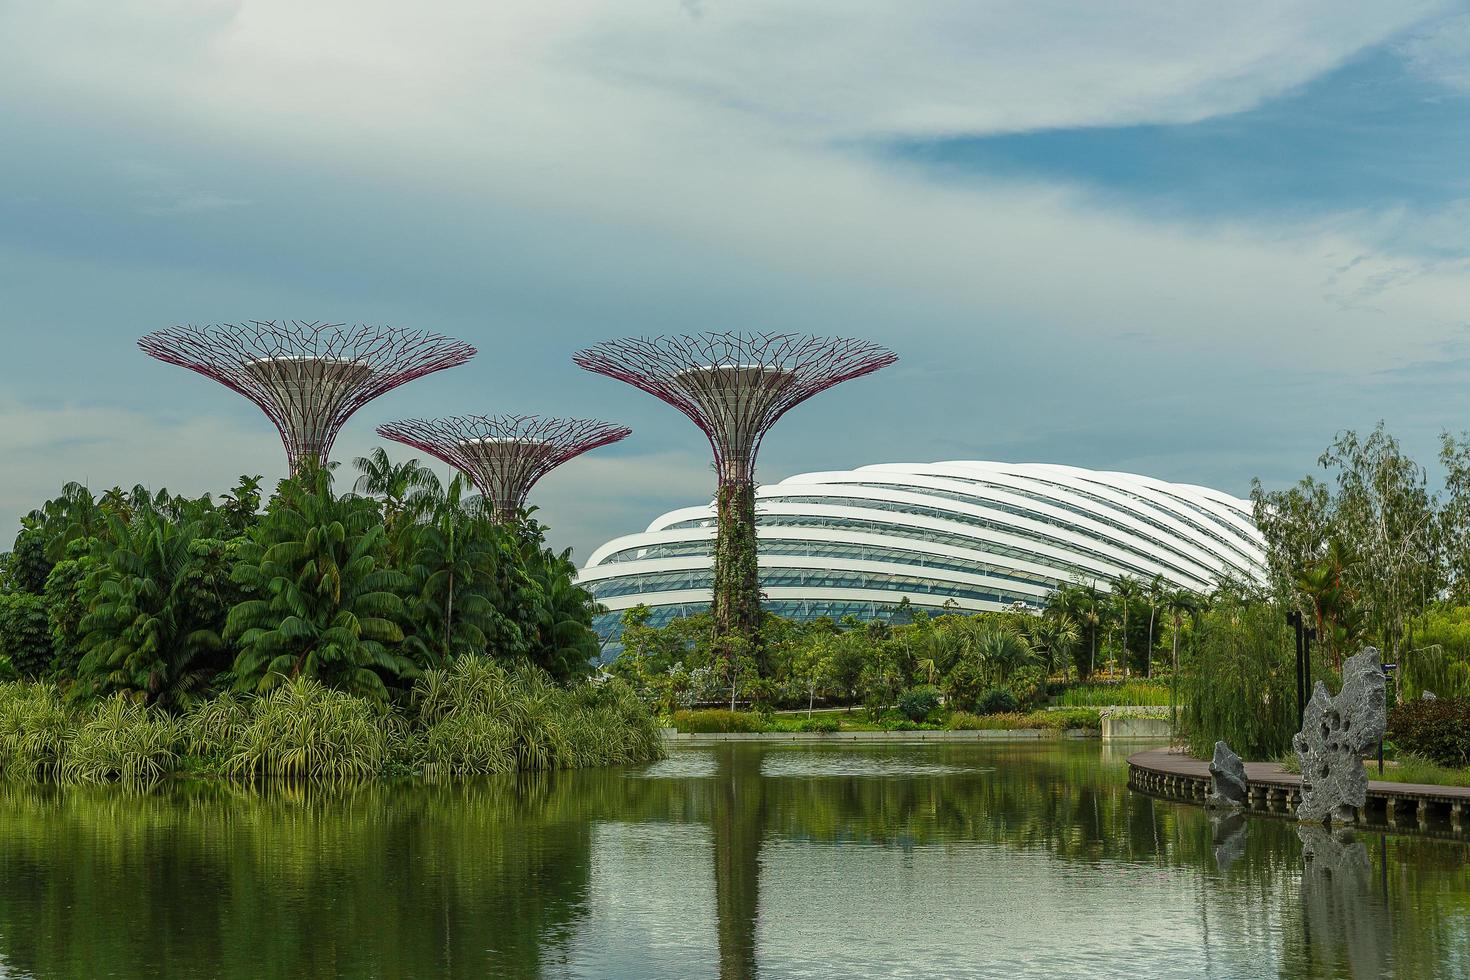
980 535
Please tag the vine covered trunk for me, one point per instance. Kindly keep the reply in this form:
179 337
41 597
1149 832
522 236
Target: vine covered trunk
737 589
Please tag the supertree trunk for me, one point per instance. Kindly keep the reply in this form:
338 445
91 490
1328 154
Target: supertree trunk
737 588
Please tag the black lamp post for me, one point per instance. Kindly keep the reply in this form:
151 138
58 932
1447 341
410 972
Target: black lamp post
1304 636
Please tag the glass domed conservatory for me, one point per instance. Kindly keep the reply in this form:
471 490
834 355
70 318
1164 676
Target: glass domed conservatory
976 535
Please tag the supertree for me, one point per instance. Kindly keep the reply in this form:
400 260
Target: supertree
734 387
308 377
504 454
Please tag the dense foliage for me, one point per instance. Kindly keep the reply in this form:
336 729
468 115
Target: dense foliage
312 634
1437 729
974 662
169 600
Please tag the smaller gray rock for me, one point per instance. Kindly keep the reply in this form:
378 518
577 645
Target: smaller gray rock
1429 696
1227 779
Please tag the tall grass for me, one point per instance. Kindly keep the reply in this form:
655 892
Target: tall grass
33 727
476 717
303 729
121 741
1103 694
473 718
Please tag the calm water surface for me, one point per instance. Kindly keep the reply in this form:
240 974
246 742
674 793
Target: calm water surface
959 860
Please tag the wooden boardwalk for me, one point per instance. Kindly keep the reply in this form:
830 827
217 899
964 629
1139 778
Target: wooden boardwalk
1440 810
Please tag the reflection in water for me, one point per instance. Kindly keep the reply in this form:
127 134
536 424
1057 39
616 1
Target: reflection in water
914 860
1227 832
1341 910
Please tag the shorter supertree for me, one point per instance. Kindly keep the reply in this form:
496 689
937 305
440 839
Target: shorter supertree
308 377
504 455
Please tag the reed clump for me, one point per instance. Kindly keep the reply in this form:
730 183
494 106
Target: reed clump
302 729
120 741
34 722
475 717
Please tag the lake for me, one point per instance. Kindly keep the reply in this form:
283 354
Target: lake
1027 859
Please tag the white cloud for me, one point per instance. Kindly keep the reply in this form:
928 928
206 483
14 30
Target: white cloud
742 130
1441 53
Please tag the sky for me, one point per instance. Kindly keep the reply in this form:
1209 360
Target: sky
1190 240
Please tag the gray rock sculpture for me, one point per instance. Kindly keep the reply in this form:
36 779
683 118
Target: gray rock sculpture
1227 779
1335 734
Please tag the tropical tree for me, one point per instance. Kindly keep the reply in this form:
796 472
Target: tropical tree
1001 651
157 599
400 486
455 582
1154 593
328 607
1126 591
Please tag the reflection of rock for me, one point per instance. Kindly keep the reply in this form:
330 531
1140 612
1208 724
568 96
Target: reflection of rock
1227 831
1227 778
1343 914
1335 733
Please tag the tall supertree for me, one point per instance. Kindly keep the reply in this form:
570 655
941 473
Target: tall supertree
308 377
504 454
734 387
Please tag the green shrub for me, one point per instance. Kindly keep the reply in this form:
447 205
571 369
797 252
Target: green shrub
917 703
305 730
33 727
1437 730
477 717
965 684
825 725
213 729
716 721
25 633
964 721
1072 718
121 741
996 700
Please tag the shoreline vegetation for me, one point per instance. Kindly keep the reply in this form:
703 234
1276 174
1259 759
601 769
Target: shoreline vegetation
473 718
403 628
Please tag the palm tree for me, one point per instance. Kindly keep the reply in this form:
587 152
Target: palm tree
328 607
1155 594
1126 590
161 596
398 485
1178 602
454 570
1057 634
1002 651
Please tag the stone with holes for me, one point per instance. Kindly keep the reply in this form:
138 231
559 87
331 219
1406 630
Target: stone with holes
1227 779
1336 731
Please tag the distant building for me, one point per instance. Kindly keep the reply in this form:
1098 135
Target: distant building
978 535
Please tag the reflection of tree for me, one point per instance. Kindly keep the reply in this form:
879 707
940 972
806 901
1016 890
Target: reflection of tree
737 819
492 878
377 881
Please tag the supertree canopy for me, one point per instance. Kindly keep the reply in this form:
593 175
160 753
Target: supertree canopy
734 387
308 377
504 454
